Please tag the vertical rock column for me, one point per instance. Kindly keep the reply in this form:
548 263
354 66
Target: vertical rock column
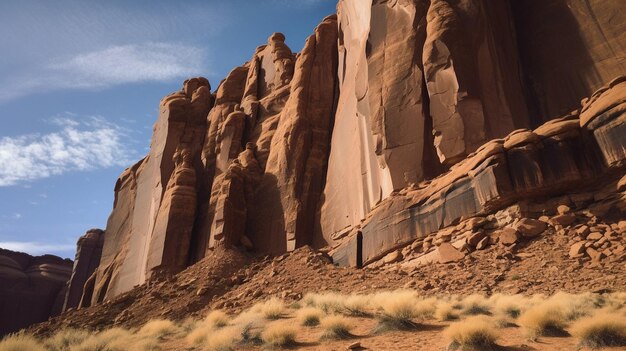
290 188
88 253
139 225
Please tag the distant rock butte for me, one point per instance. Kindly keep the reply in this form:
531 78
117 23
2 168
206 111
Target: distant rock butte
397 119
32 289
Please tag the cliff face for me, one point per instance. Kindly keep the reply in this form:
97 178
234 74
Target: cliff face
396 119
32 289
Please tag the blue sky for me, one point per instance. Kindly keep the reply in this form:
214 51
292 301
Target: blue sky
80 83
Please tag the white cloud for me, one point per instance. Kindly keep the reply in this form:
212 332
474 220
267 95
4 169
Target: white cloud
115 65
79 145
35 248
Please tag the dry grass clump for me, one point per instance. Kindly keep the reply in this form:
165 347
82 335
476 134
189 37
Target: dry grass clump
445 311
508 306
158 329
357 306
309 316
601 330
474 333
329 302
336 327
211 323
273 308
113 339
279 335
223 339
397 310
64 338
474 305
216 319
20 342
546 319
250 324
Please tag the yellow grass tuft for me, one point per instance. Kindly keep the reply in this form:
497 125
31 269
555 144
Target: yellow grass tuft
216 319
336 327
507 306
309 316
158 329
397 309
21 342
113 339
273 308
475 304
473 333
357 305
329 302
64 338
544 319
223 339
601 330
279 335
445 311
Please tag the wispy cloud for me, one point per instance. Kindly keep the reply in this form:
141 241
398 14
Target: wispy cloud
35 248
78 145
148 62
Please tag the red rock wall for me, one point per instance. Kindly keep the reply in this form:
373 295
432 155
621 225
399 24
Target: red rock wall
386 97
31 288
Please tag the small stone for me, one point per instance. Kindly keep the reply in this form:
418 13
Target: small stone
483 243
354 346
474 238
508 236
201 291
595 255
583 231
594 236
564 219
563 209
577 249
530 228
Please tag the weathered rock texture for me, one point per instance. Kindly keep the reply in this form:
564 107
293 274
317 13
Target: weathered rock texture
87 260
32 289
397 119
579 150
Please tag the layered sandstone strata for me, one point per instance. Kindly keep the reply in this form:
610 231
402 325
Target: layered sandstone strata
581 149
32 289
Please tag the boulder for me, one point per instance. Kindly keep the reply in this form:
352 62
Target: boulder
530 228
508 236
564 219
448 253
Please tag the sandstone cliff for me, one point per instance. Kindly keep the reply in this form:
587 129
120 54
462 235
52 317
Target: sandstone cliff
32 289
397 118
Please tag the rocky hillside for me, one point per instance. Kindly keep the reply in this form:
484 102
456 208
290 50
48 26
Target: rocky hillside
405 132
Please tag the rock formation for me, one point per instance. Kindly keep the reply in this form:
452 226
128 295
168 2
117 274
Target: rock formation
87 260
396 120
32 289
